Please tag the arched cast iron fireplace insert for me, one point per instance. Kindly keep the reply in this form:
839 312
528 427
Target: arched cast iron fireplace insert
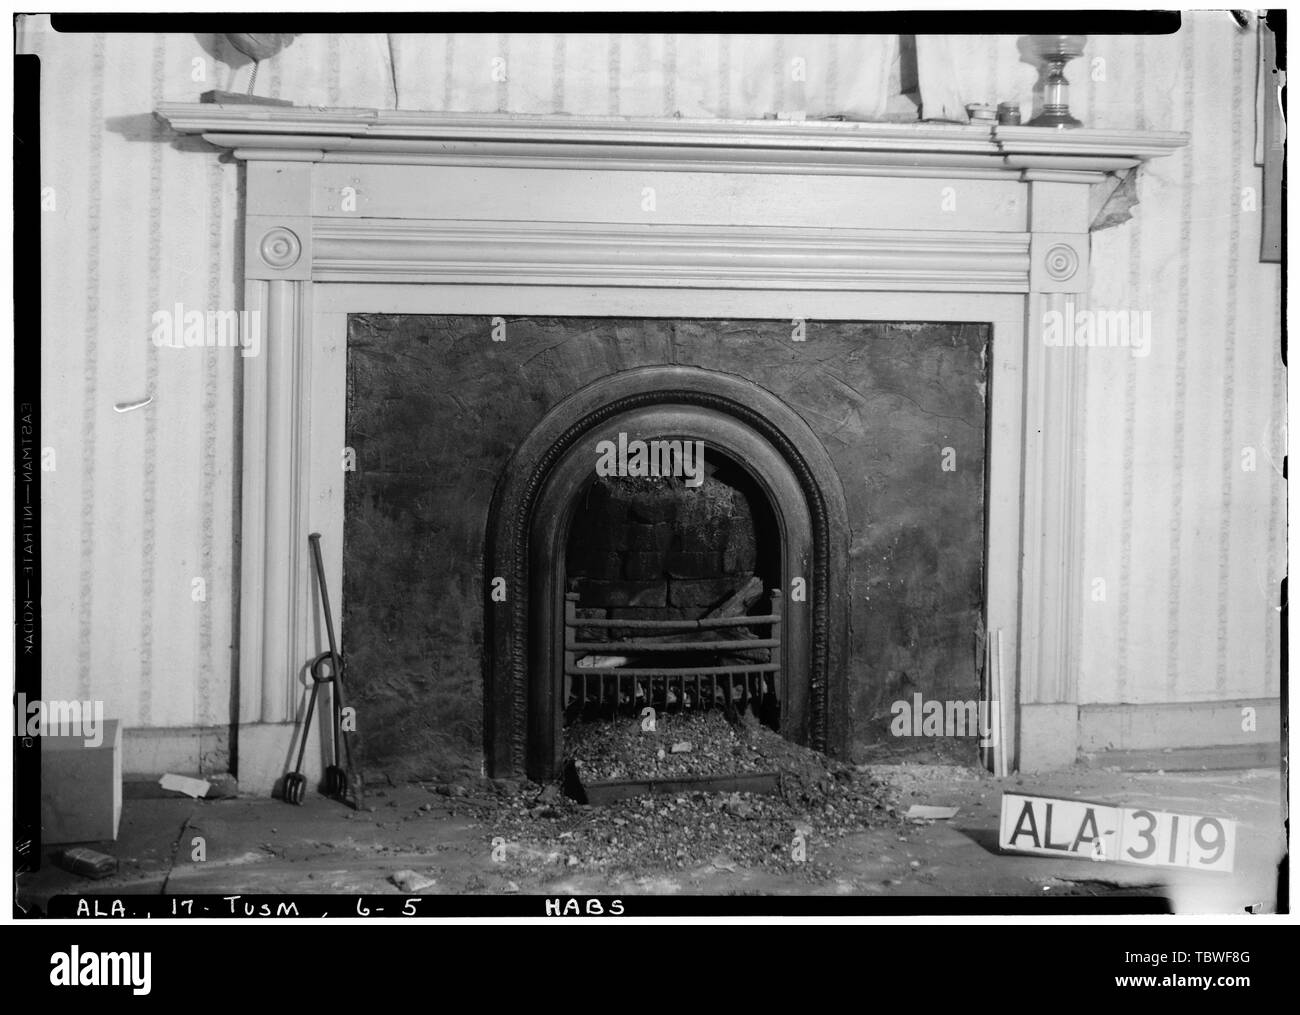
528 529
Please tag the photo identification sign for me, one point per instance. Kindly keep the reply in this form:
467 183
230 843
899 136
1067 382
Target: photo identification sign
1046 826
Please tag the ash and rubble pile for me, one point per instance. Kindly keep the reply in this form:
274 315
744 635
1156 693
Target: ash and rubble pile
818 802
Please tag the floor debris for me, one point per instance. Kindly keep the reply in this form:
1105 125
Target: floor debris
926 812
411 882
684 841
818 802
679 746
87 863
196 788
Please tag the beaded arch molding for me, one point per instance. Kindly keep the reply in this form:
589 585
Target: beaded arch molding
513 504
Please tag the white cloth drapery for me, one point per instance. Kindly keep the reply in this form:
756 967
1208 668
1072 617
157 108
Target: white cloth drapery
706 76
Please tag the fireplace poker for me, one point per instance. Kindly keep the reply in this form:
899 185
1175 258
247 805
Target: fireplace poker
295 783
337 781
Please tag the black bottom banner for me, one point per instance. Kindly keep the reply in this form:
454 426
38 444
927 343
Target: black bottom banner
178 963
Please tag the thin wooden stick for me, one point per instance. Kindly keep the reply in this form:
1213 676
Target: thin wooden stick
990 700
1002 726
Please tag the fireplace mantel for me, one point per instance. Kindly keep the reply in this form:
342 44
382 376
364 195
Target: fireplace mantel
361 210
772 146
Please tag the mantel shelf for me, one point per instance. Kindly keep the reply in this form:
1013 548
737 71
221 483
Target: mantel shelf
317 134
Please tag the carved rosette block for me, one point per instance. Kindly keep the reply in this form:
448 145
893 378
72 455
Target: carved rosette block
1058 262
278 247
1061 262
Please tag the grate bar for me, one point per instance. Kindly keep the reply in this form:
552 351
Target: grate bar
634 645
704 623
681 671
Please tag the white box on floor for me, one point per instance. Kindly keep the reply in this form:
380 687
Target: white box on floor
81 786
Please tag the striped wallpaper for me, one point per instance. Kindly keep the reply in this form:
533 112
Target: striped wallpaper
142 505
1190 543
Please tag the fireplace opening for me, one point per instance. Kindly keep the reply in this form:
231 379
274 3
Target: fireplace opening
859 456
673 597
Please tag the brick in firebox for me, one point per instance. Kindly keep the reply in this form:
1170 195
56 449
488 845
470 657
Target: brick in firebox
694 564
591 561
643 566
740 552
680 564
645 538
706 592
607 566
624 593
655 504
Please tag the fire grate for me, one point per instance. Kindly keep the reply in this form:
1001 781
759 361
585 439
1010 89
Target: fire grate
621 677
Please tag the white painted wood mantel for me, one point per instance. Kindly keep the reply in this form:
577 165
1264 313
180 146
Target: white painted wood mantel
362 210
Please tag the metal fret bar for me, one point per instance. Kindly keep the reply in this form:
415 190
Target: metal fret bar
618 647
679 625
682 671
